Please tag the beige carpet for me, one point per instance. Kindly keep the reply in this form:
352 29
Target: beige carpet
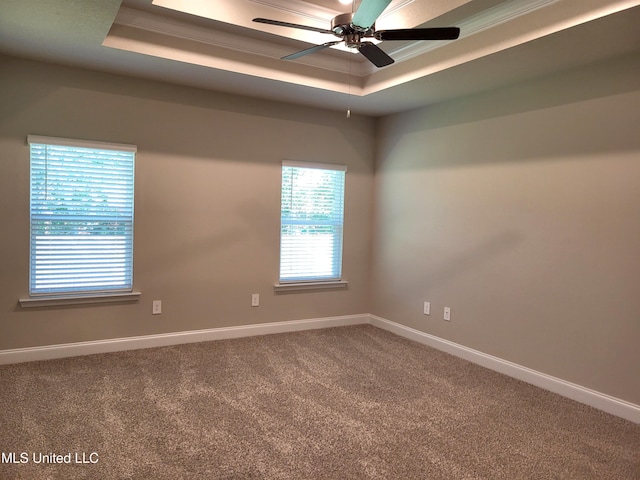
342 403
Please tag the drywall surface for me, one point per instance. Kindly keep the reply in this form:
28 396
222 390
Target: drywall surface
520 210
207 201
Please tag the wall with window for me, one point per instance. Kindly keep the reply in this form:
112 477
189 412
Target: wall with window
207 201
520 210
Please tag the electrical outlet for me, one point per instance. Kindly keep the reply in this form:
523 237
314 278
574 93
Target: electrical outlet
157 307
427 308
255 300
447 314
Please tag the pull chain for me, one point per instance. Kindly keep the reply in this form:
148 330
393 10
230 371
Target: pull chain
349 95
350 60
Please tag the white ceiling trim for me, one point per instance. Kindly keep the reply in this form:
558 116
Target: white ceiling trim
394 8
501 13
149 46
154 23
301 9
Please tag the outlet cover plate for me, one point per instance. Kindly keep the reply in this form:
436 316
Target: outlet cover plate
157 307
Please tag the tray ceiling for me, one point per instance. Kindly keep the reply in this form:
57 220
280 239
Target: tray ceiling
217 45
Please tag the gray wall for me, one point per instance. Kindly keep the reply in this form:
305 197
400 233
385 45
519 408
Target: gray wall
520 210
207 201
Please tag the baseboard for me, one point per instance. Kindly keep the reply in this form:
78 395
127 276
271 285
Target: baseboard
601 401
49 352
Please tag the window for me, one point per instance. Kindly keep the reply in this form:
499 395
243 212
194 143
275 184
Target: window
312 213
81 217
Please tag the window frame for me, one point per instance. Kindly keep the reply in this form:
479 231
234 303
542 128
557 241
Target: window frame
312 282
85 294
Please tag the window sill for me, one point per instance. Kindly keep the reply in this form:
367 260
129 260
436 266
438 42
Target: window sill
53 301
305 286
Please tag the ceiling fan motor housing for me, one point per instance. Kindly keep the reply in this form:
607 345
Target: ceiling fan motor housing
342 25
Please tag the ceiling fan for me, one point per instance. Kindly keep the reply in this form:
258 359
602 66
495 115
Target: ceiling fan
352 28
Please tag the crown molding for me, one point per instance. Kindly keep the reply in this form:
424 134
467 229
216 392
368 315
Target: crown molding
137 19
492 17
300 8
394 7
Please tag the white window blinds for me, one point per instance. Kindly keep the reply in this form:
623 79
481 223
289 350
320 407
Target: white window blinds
81 216
312 214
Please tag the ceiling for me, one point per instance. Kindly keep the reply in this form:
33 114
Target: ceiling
215 45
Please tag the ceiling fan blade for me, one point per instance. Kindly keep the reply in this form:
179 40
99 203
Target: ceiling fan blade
446 33
368 12
307 51
292 25
375 54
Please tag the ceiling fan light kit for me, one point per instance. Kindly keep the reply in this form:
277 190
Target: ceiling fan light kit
352 28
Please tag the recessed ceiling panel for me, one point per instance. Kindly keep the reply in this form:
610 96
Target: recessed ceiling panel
251 48
215 45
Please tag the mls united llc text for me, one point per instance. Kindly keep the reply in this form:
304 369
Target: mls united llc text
39 457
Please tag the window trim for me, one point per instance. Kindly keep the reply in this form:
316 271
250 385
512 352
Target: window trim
40 299
282 287
70 142
92 298
318 283
320 166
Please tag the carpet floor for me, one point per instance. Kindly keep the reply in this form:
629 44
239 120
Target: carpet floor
340 403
